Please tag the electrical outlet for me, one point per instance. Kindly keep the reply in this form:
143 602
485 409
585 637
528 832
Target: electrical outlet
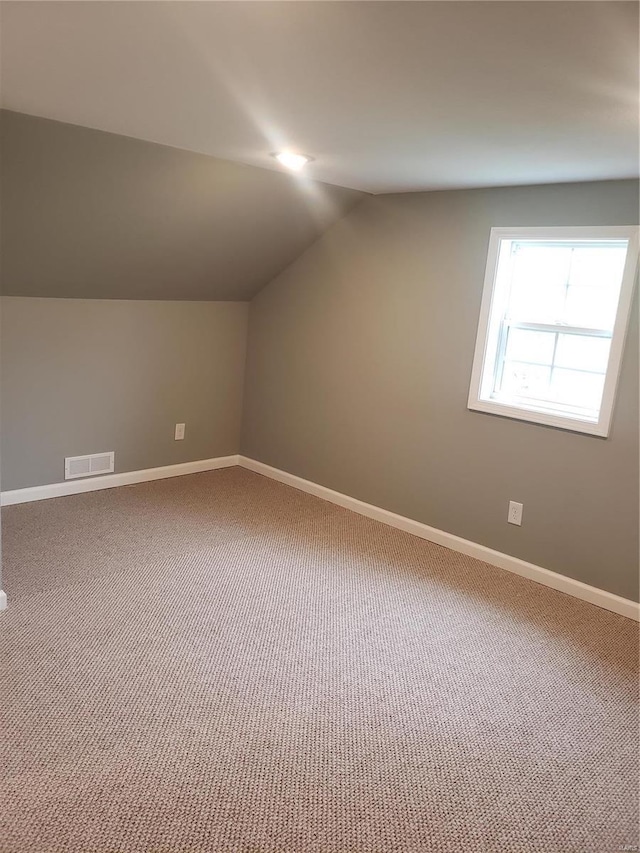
515 513
179 434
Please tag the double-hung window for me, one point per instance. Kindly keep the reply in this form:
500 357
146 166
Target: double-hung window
554 315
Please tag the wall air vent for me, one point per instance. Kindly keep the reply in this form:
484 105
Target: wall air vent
88 466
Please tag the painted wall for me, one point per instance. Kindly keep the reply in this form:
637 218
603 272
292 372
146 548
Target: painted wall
358 369
1 590
84 376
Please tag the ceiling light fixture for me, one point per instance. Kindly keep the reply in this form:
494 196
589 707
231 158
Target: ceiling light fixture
292 161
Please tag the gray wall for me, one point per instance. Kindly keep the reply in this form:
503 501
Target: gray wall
97 215
358 370
83 376
0 449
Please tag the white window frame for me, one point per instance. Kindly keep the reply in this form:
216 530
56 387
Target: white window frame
574 423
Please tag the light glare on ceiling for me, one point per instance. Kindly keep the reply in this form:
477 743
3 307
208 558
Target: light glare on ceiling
292 161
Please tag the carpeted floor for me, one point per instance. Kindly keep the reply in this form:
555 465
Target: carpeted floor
222 663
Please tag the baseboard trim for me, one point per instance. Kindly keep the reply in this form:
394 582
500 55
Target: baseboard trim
110 481
561 583
591 594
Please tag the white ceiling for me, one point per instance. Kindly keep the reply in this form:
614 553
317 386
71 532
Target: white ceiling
387 96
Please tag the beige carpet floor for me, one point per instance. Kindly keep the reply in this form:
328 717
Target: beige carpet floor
222 663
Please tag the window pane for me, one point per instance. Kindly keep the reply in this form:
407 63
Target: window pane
525 345
582 390
583 353
564 390
577 285
539 279
599 266
591 307
525 380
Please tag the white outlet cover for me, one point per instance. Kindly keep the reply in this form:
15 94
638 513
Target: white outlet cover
179 433
515 513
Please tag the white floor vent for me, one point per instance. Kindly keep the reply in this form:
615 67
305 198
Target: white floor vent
88 466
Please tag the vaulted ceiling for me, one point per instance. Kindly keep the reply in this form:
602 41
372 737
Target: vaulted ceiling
93 214
136 136
387 96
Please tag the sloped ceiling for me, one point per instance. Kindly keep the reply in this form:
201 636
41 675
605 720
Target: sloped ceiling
136 135
388 96
96 215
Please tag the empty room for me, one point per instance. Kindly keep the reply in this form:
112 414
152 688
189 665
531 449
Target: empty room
319 426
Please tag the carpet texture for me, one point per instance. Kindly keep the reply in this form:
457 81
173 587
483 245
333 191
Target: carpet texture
222 663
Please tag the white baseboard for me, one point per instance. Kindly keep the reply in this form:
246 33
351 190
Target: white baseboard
599 597
110 481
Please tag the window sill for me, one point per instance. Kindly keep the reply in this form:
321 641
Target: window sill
599 429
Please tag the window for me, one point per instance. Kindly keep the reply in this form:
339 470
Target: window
552 325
